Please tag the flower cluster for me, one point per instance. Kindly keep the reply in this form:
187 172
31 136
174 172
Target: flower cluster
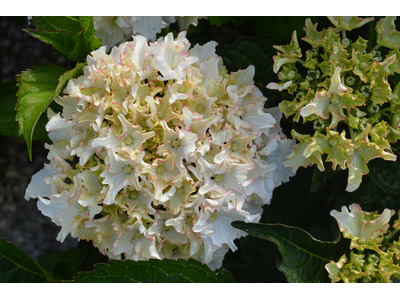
113 30
344 93
367 231
157 150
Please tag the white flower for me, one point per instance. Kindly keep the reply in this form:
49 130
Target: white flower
113 30
171 150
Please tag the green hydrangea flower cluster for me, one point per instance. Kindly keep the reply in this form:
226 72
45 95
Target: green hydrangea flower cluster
368 232
346 95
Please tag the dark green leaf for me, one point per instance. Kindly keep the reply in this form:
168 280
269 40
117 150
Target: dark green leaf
89 255
304 258
8 100
17 266
205 32
64 271
386 174
279 27
319 177
49 261
369 196
72 37
254 261
220 20
154 271
38 88
256 51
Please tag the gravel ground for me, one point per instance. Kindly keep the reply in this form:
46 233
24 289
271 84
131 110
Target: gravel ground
20 221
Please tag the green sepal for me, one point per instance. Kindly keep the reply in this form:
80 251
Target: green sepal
387 266
340 57
378 135
387 35
347 271
340 150
380 71
349 23
338 103
395 67
289 53
364 229
326 38
380 94
297 158
364 151
359 45
310 62
362 64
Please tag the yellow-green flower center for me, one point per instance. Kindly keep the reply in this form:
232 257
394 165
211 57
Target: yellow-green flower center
234 146
160 170
128 141
180 191
200 108
213 216
134 195
182 89
109 111
219 178
128 170
160 114
176 143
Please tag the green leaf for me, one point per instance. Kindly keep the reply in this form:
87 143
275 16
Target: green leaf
37 89
279 27
154 271
254 261
386 174
256 51
72 37
220 20
369 196
319 177
17 266
8 100
64 265
89 255
304 257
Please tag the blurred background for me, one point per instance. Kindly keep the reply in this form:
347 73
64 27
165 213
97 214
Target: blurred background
20 221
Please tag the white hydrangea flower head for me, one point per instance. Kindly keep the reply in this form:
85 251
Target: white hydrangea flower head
113 30
157 150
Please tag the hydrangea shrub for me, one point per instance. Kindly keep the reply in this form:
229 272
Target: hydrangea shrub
157 150
346 96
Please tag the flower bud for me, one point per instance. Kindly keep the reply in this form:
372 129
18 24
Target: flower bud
350 80
346 42
313 75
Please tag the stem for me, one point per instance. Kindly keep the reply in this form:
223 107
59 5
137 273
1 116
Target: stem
343 34
370 35
383 113
394 232
301 61
353 135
